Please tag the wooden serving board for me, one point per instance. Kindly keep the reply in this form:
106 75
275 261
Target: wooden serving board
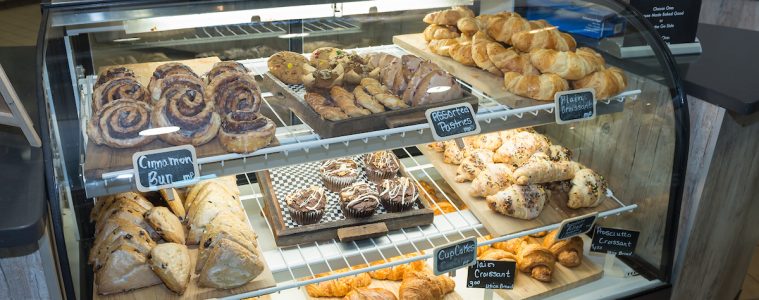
484 81
555 210
392 286
525 287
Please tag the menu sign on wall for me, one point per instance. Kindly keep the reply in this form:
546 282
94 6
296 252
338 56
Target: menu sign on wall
675 20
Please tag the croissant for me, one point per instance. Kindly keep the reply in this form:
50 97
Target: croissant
606 82
588 189
538 87
509 60
537 261
540 169
497 254
448 17
396 273
502 28
513 245
568 65
493 178
519 201
543 38
471 166
338 287
480 42
425 286
568 252
559 153
382 95
519 146
442 46
462 53
370 294
453 154
469 25
437 32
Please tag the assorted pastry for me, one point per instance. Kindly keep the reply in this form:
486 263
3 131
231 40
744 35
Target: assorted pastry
225 103
535 59
140 244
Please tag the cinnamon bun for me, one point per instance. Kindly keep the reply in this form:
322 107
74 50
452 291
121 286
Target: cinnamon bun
246 131
119 88
165 70
118 124
184 105
112 73
224 67
178 81
233 92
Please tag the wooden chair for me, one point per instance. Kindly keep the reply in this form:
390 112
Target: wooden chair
12 111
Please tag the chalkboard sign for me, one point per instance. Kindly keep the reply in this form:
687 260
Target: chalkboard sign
614 241
452 121
576 226
492 274
455 255
575 105
168 167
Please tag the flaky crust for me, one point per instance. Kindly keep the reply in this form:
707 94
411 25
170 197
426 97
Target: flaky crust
519 201
425 286
538 87
567 64
185 105
547 38
449 16
588 189
509 60
568 251
540 169
537 261
436 32
338 287
480 42
370 294
606 83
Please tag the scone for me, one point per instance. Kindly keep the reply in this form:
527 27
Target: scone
207 209
229 265
124 270
141 245
213 239
172 198
171 262
166 224
120 229
287 66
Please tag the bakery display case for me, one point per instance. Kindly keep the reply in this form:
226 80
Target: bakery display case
297 149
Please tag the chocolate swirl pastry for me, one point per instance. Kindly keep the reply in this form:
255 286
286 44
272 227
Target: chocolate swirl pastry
119 88
179 81
246 131
224 67
112 73
232 92
118 124
162 72
184 105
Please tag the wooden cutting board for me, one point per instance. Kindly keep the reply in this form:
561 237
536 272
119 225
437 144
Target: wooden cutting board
497 224
525 287
392 286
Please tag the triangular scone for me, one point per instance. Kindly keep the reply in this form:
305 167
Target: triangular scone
125 269
230 265
166 224
120 229
171 262
213 239
142 245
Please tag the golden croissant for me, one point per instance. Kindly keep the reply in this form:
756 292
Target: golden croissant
606 83
568 252
567 64
543 38
436 32
425 286
509 60
480 42
540 169
338 287
448 17
537 261
538 87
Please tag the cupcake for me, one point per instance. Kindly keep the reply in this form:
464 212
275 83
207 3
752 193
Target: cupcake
381 165
338 173
306 206
398 194
359 200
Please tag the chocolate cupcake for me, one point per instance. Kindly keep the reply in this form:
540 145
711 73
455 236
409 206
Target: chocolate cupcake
381 165
306 206
359 200
338 173
398 194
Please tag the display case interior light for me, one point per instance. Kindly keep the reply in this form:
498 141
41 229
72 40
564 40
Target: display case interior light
282 14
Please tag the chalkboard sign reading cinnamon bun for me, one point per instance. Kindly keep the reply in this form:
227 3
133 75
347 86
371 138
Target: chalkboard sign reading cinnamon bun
164 168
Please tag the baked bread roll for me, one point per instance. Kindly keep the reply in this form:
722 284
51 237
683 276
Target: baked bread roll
425 286
493 178
125 269
287 66
538 87
567 64
544 38
519 201
112 73
519 146
347 102
370 294
119 88
489 141
449 16
568 252
185 105
559 153
509 60
453 154
442 46
246 131
118 124
606 82
469 25
437 32
166 224
396 273
232 92
326 108
162 72
536 260
224 67
171 262
480 42
540 169
229 265
472 165
588 189
338 287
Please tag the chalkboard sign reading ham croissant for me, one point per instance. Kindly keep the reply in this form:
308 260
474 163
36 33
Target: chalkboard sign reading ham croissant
452 121
167 167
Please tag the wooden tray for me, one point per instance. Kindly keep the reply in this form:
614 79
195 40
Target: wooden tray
392 286
286 97
525 287
555 210
347 229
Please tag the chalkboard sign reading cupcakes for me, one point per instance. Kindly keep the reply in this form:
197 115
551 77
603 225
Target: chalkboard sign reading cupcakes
614 241
455 255
452 121
491 274
167 167
575 105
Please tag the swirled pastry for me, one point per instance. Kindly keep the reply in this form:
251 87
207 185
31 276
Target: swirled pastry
246 131
224 67
112 73
119 88
184 105
165 70
118 124
232 92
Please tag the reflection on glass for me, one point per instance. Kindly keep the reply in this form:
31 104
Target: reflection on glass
159 130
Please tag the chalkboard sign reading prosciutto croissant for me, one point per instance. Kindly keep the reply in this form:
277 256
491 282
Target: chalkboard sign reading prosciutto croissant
167 167
452 121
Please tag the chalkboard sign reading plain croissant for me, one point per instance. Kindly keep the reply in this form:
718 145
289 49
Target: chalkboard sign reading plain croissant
575 105
576 226
491 274
454 256
452 121
167 167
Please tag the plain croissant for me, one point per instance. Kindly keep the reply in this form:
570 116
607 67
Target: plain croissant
462 52
538 87
567 64
442 46
436 32
480 42
543 38
425 286
537 261
519 201
509 60
448 17
568 251
606 82
502 28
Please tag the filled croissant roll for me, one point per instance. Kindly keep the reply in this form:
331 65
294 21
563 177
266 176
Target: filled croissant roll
492 179
471 166
568 252
588 189
540 169
536 260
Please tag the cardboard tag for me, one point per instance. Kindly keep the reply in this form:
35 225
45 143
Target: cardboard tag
575 105
452 121
576 226
492 274
454 256
165 168
614 241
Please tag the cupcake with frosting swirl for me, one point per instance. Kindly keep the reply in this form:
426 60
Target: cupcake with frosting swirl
398 194
306 206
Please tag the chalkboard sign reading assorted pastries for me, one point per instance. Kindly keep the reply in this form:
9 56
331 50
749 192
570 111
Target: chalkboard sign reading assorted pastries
575 105
455 255
491 274
167 167
614 241
452 121
576 226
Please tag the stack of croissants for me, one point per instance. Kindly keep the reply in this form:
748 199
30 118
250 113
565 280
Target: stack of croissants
138 244
517 170
534 58
226 103
417 283
535 256
342 84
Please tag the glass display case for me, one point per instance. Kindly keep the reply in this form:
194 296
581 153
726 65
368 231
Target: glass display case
325 129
